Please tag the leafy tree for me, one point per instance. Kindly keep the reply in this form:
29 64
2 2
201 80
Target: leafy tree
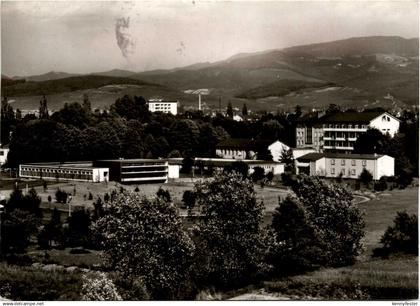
131 108
270 176
229 110
332 109
184 136
295 247
264 154
174 154
228 233
238 167
373 141
271 130
189 198
86 104
78 231
187 164
244 110
43 109
72 114
403 235
258 174
338 221
366 177
164 194
96 286
287 159
144 239
61 196
52 231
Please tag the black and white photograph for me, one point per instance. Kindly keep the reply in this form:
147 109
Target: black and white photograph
214 150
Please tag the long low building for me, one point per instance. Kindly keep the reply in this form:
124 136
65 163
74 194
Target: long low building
347 165
139 170
220 163
77 171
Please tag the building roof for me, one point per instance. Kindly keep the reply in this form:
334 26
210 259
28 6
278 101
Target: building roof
221 162
359 117
244 144
317 156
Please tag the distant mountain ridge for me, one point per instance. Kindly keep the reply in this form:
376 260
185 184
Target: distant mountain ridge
357 72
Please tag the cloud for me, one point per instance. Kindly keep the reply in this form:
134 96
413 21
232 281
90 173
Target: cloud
124 39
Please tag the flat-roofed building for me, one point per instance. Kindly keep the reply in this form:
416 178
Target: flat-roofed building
137 170
164 106
346 165
76 171
309 132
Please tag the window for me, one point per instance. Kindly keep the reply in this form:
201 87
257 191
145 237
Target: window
343 162
343 171
363 162
332 171
353 171
332 161
1 153
353 162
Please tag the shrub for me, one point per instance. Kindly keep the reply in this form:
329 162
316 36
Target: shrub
366 177
270 176
403 235
98 287
239 167
381 185
61 196
164 194
188 198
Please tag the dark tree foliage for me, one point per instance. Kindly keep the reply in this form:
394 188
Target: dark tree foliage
72 114
257 174
229 110
403 235
365 177
244 110
296 247
164 195
238 167
228 236
52 231
338 221
61 196
289 162
131 108
78 232
189 198
187 165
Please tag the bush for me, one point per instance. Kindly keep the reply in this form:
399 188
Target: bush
98 287
164 194
61 196
188 198
381 185
402 236
366 177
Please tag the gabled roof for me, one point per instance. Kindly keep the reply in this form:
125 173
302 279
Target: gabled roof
317 156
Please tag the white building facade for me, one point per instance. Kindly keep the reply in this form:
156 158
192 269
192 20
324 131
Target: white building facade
4 151
332 165
160 105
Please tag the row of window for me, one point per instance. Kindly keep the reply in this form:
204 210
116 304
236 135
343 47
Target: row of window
343 171
343 162
231 152
345 126
52 170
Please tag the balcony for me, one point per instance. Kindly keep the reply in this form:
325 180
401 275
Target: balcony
333 129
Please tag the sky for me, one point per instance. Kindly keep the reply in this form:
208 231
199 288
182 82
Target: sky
93 36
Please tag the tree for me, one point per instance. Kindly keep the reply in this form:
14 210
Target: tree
244 110
403 235
52 231
332 109
43 109
189 198
86 104
229 110
365 177
373 141
258 174
187 164
164 194
131 108
228 233
238 167
72 114
144 239
287 159
78 232
338 221
295 247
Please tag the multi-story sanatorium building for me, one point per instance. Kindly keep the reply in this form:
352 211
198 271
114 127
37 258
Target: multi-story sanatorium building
160 105
339 131
345 165
139 170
